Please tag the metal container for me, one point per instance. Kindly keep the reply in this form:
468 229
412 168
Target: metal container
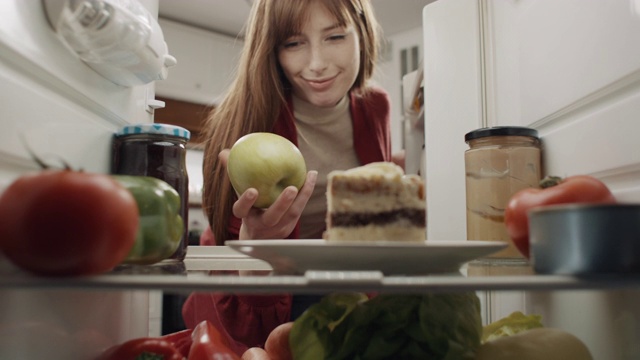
581 239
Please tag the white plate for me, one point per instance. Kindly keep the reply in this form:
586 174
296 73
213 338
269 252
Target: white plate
390 258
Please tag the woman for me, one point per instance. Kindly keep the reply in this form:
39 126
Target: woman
303 74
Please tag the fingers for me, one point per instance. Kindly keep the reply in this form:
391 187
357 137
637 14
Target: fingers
223 156
291 202
242 207
274 213
309 185
304 194
280 218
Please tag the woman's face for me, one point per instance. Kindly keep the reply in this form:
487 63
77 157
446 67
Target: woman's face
321 62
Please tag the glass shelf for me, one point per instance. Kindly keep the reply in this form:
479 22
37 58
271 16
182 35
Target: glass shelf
216 269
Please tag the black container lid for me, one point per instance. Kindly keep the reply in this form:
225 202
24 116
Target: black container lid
501 131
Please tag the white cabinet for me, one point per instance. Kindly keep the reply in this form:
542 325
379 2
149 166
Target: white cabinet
206 63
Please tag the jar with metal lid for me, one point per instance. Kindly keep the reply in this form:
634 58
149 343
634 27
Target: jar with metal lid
500 161
156 150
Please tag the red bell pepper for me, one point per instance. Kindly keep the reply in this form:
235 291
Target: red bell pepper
181 340
143 349
209 344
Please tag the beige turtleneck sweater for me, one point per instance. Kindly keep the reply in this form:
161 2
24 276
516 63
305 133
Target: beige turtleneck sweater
325 138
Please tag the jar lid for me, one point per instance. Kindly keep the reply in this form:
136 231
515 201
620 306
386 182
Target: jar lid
501 131
160 129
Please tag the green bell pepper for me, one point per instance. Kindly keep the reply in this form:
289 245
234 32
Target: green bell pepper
161 225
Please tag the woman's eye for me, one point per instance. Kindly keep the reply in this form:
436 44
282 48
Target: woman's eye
337 37
291 44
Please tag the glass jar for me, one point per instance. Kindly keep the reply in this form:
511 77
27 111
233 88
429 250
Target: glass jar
156 150
500 161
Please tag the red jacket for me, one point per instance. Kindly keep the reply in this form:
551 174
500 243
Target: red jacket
247 320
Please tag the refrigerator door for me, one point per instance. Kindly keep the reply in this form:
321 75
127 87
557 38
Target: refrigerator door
61 108
54 101
567 68
119 39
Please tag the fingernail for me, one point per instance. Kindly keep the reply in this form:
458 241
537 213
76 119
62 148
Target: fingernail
291 192
313 175
251 193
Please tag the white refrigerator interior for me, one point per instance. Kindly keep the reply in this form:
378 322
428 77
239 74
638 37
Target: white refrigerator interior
62 109
568 68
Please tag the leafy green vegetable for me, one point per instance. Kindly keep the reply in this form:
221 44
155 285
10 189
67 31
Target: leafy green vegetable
311 332
429 326
514 323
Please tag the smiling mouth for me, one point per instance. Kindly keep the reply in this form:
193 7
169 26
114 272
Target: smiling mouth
321 84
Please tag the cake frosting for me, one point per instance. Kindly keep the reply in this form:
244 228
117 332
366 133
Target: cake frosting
375 202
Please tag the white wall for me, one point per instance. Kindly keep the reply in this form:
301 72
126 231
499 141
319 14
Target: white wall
206 63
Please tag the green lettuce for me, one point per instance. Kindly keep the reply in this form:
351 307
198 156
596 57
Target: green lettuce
426 326
514 323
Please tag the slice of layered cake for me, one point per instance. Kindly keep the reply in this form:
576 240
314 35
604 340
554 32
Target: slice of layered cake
375 202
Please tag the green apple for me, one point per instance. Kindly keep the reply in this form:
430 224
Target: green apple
266 162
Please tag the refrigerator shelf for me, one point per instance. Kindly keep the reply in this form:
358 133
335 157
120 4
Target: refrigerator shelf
216 269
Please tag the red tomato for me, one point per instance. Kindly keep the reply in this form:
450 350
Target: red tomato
573 189
66 223
277 344
256 353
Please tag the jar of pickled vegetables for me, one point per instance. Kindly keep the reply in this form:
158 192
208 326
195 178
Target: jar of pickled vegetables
159 151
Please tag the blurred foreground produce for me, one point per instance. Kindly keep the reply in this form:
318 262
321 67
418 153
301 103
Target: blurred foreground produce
143 349
535 344
349 326
429 326
256 353
67 223
554 190
276 347
511 325
203 342
523 337
161 225
277 344
208 343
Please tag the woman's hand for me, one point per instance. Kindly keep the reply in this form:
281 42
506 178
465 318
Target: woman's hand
277 221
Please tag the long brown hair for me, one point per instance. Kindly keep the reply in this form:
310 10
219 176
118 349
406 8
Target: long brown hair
257 95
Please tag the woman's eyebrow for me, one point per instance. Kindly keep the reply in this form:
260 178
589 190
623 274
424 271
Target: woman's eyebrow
332 27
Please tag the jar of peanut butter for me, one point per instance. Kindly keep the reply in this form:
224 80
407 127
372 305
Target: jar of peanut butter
500 161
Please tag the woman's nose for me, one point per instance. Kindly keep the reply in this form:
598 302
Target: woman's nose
317 59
